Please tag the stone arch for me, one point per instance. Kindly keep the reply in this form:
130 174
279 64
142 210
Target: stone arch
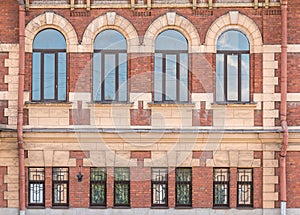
110 20
171 20
51 20
237 21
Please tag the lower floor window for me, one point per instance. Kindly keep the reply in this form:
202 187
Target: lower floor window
245 188
36 179
60 186
122 187
221 187
159 186
98 186
183 186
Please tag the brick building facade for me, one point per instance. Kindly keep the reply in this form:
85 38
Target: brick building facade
148 107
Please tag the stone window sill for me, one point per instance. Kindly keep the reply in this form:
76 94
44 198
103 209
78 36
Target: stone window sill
48 104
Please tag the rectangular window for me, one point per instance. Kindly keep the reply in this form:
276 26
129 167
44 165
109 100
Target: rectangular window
98 186
36 186
60 186
184 187
221 187
49 79
110 76
171 77
159 186
122 187
245 188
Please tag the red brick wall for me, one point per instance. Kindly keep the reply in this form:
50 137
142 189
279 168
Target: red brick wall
293 179
3 187
140 187
202 187
80 72
202 73
9 21
141 72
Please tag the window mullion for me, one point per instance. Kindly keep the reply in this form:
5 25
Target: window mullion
56 76
225 77
117 76
102 82
177 77
42 76
239 78
164 77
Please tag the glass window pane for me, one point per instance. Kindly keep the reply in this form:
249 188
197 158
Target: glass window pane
158 77
110 77
183 194
98 193
97 77
232 77
49 76
245 77
62 76
159 193
37 193
220 78
36 76
122 77
98 174
122 194
49 39
171 81
110 40
183 77
221 195
171 40
233 40
60 193
121 174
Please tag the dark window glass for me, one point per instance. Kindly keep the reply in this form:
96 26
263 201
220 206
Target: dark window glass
98 186
159 186
233 68
171 67
121 187
110 67
221 187
36 186
49 66
245 188
183 186
60 186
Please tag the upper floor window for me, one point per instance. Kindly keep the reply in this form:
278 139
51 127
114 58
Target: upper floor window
171 67
184 187
233 67
49 81
110 67
36 186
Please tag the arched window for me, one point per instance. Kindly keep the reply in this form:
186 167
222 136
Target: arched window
49 82
233 68
171 67
110 67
